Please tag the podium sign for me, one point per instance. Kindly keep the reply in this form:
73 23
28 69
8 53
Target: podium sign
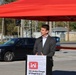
36 65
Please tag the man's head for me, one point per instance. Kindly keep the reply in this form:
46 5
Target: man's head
44 29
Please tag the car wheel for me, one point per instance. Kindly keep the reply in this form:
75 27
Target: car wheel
8 56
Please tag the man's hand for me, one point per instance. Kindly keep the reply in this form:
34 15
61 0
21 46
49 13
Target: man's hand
42 53
36 53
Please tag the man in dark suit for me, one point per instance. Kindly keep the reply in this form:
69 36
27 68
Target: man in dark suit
45 45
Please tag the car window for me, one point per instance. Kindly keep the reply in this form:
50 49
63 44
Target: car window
31 41
10 42
21 42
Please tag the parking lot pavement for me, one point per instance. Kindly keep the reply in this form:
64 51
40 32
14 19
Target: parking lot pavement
12 68
63 55
10 63
64 64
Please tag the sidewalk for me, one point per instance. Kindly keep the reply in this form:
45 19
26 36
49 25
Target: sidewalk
68 42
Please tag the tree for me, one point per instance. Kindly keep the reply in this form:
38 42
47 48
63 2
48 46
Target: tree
73 26
9 26
0 25
60 24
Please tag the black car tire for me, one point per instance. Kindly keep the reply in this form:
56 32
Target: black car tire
8 56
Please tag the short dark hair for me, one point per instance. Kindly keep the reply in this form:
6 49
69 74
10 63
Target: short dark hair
46 26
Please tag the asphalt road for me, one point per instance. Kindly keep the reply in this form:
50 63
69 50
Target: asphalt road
64 64
12 68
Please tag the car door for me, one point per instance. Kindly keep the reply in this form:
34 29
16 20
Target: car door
30 45
21 48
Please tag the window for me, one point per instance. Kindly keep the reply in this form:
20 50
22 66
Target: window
31 41
21 42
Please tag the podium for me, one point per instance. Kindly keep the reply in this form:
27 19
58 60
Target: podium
36 65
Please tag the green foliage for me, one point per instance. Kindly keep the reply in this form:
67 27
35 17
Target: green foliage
73 26
0 24
60 24
40 24
9 26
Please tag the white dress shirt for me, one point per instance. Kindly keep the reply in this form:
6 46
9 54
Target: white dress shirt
44 40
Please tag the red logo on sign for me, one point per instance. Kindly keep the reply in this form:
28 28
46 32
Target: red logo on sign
33 65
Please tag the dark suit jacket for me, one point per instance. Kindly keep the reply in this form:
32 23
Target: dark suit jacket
48 49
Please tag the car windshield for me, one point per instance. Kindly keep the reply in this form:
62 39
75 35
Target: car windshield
10 42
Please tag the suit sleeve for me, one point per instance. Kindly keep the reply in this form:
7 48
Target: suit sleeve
52 48
35 47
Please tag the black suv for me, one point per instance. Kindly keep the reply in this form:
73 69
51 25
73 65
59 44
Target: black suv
19 47
16 48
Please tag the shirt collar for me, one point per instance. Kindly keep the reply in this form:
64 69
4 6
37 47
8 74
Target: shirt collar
45 36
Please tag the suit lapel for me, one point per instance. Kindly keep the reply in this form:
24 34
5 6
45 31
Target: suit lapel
41 45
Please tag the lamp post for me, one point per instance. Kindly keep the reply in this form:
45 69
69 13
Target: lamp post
54 26
68 30
22 27
30 26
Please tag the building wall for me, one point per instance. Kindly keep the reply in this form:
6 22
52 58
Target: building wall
72 36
